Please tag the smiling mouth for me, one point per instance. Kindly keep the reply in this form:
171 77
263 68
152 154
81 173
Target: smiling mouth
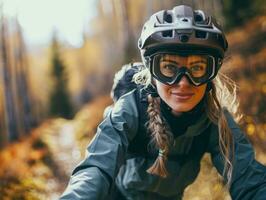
182 96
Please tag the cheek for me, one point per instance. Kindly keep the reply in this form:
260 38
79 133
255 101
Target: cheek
162 90
200 91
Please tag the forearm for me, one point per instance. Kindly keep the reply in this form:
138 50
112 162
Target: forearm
94 176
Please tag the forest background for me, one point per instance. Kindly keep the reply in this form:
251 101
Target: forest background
52 96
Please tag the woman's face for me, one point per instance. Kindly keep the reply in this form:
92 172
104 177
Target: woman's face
181 96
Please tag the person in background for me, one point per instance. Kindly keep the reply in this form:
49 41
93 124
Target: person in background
150 144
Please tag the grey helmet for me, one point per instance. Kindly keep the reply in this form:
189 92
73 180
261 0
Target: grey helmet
182 30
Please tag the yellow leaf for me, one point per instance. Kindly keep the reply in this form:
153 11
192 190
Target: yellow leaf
251 129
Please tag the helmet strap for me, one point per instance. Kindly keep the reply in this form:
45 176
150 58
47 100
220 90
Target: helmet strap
209 86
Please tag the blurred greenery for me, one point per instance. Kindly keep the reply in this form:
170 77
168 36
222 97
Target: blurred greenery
79 79
60 104
237 12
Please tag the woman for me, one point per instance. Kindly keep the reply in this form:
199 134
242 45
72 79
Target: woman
150 144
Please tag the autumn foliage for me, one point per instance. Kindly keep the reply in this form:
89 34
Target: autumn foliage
39 164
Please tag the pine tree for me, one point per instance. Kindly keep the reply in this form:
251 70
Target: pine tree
60 104
237 12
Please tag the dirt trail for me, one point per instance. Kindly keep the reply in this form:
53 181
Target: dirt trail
65 154
67 141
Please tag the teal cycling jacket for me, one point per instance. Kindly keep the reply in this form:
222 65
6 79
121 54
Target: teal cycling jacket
118 157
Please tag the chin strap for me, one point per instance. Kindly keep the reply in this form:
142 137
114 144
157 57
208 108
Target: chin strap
209 86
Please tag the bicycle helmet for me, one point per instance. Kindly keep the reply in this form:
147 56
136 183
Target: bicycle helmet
184 32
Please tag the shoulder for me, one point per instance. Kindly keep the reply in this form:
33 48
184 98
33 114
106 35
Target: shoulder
135 99
123 80
234 127
126 108
237 134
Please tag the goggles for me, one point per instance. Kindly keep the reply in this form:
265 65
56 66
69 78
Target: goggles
170 68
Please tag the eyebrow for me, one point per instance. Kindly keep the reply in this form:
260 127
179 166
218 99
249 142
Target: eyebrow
198 61
191 63
171 61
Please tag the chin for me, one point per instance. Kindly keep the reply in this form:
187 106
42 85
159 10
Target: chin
182 108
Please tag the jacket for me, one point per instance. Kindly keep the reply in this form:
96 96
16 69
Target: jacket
118 157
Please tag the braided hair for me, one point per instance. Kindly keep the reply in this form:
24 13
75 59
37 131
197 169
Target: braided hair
161 136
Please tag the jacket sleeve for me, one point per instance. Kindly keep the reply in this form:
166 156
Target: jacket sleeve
93 177
249 176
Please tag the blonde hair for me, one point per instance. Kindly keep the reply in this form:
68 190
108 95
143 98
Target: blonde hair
161 136
222 96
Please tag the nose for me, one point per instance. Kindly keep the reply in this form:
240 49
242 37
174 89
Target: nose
184 81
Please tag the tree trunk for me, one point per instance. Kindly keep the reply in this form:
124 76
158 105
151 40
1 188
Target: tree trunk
11 122
22 83
3 130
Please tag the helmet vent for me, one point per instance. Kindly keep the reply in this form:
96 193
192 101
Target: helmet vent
201 34
167 33
167 17
183 38
198 18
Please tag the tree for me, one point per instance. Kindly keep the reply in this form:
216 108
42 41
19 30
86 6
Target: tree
25 104
60 104
7 77
238 11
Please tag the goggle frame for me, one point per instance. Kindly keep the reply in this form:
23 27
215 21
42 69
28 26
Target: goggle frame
182 72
